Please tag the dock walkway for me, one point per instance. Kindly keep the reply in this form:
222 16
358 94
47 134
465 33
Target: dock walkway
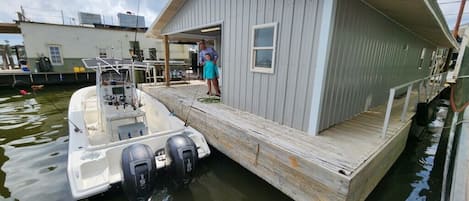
345 162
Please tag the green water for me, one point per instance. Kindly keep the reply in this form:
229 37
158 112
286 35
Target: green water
418 172
33 158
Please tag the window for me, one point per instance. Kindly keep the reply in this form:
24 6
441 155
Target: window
102 53
152 53
135 51
422 57
264 39
55 55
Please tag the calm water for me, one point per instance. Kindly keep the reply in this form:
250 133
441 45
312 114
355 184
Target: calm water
33 157
418 172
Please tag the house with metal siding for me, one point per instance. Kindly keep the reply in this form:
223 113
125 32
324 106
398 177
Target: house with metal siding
310 64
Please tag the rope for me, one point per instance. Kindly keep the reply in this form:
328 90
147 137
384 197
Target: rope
453 104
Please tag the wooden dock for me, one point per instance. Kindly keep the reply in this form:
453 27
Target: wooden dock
29 78
345 162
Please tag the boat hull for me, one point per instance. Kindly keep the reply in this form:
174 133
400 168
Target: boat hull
93 167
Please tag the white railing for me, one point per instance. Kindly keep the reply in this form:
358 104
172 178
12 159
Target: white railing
436 81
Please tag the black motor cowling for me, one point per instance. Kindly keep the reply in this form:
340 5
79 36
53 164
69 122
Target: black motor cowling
183 154
139 170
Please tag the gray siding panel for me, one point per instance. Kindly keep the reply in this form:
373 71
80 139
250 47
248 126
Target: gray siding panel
285 95
367 58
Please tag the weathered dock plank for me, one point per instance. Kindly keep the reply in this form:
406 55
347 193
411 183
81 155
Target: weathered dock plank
345 162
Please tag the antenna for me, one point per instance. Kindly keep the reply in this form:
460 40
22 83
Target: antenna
136 30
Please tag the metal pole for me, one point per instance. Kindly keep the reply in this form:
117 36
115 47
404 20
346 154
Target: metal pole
458 20
406 104
425 85
63 19
387 116
23 17
166 61
154 74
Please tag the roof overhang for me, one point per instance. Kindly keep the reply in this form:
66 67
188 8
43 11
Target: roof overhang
422 17
11 28
170 10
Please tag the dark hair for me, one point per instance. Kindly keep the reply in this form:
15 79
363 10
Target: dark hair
208 55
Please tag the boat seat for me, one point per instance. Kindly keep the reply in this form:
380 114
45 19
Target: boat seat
132 130
126 115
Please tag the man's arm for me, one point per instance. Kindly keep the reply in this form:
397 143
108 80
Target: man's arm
215 56
200 59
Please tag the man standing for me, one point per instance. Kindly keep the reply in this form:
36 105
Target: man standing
203 50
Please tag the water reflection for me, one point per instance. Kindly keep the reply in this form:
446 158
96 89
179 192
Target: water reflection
33 156
34 144
417 173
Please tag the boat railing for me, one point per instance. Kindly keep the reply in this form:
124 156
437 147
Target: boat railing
114 64
431 85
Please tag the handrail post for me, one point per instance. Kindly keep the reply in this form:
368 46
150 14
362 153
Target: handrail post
443 81
406 103
432 87
426 90
418 91
387 116
154 74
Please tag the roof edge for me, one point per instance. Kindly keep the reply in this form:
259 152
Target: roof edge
165 16
438 15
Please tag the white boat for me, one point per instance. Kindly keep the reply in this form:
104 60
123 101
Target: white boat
121 135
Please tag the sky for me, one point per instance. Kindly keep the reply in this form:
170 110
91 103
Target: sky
450 9
50 11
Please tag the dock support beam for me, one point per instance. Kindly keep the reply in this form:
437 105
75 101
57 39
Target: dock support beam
166 61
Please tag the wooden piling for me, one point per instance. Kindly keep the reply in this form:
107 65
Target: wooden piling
166 61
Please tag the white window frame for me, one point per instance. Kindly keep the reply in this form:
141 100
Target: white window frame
273 48
59 47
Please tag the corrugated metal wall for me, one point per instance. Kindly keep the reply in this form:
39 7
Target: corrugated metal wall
368 56
284 96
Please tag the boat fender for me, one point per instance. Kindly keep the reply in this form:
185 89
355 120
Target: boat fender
182 152
139 172
422 114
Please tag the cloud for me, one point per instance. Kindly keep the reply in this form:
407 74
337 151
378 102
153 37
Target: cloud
50 11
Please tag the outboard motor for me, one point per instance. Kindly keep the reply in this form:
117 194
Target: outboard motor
139 171
183 154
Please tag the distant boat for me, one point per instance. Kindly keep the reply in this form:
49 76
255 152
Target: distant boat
121 135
